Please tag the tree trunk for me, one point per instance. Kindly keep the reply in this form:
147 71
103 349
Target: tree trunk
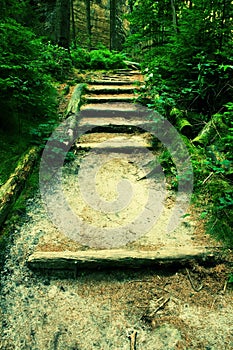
174 16
63 23
221 39
112 24
73 24
88 12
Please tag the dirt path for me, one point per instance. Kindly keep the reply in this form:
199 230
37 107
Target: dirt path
174 304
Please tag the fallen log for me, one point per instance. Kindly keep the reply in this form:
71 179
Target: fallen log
132 64
184 126
211 129
16 182
182 123
116 258
75 101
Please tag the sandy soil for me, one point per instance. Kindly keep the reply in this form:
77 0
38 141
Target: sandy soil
169 308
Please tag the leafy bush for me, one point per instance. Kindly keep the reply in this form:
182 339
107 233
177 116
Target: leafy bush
25 90
80 58
97 59
105 59
56 61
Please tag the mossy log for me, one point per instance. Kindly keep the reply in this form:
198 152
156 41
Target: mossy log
184 126
10 191
182 123
75 101
210 131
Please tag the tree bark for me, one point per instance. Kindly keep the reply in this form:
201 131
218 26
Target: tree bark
63 23
112 24
174 16
115 257
10 191
73 24
210 131
88 12
221 39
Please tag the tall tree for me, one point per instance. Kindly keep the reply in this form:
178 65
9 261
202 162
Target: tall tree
88 12
174 16
63 23
113 12
73 23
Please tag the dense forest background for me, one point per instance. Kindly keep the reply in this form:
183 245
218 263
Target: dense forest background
185 51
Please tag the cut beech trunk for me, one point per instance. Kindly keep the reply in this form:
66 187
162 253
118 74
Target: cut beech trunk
117 258
210 131
184 126
10 191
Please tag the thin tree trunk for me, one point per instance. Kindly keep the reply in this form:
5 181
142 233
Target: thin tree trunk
88 14
112 24
222 25
73 23
174 16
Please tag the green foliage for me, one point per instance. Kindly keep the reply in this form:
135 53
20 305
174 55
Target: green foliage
105 59
97 59
25 90
56 61
80 58
230 280
188 67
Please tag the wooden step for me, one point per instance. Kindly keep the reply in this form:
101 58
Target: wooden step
120 143
111 89
111 82
110 98
117 258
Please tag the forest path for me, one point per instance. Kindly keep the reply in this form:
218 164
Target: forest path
123 221
170 306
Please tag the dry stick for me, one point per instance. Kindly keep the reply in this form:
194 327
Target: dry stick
208 177
190 280
160 307
132 336
222 292
225 287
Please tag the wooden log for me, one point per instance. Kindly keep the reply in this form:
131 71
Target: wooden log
75 101
12 188
184 126
210 131
181 121
132 64
116 258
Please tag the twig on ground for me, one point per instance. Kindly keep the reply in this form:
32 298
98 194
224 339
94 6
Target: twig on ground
160 306
132 335
225 286
207 178
191 282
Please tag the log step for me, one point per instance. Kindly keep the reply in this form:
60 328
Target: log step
117 258
109 98
111 81
111 89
